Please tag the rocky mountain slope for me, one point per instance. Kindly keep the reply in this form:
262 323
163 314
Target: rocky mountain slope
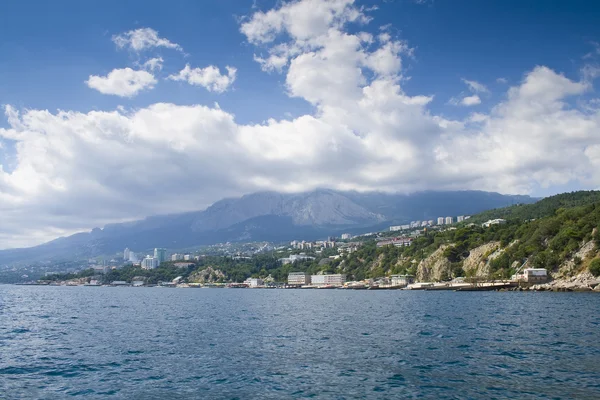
559 233
265 216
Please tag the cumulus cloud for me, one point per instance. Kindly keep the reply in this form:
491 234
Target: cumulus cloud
142 39
78 170
124 82
470 100
210 77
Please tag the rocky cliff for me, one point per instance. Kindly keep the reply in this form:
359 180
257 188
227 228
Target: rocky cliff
436 267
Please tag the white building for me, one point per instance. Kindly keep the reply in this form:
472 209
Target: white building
254 282
402 280
150 262
187 257
176 257
491 222
440 221
126 254
298 278
532 275
460 218
346 236
328 280
449 220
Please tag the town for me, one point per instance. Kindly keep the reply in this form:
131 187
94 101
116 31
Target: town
296 254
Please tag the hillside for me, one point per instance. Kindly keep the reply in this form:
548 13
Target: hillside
559 233
264 216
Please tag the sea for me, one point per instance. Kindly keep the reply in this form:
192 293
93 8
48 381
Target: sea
173 343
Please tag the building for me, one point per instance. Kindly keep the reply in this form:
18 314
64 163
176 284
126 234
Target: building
328 280
150 262
160 255
187 257
440 221
460 218
491 222
396 241
177 257
449 220
402 280
298 278
126 254
254 282
346 236
532 275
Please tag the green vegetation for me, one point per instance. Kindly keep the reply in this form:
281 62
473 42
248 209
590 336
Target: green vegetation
595 267
546 233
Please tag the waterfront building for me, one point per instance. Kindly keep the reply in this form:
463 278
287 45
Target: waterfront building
532 275
298 278
150 262
328 280
402 280
460 218
254 282
440 221
449 220
160 255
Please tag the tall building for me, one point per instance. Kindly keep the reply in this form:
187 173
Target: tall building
126 254
160 255
150 262
440 221
460 218
449 220
346 236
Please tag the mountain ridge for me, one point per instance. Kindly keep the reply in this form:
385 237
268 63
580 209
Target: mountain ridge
266 215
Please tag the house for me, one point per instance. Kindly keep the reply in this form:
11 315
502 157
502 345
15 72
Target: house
532 275
254 282
498 221
402 280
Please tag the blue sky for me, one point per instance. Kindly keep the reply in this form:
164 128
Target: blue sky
51 48
398 95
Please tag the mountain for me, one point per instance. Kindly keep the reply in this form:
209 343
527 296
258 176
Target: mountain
266 216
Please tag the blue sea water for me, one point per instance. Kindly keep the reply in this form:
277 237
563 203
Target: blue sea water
157 343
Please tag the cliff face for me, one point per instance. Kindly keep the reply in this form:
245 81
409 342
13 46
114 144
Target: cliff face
206 275
436 267
477 263
573 265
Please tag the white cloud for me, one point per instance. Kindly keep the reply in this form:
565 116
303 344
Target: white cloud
470 100
124 82
475 86
154 64
78 170
143 39
209 77
502 81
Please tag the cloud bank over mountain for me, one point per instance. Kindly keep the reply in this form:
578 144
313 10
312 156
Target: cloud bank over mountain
76 170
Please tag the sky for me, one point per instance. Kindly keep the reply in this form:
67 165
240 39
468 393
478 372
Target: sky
113 111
